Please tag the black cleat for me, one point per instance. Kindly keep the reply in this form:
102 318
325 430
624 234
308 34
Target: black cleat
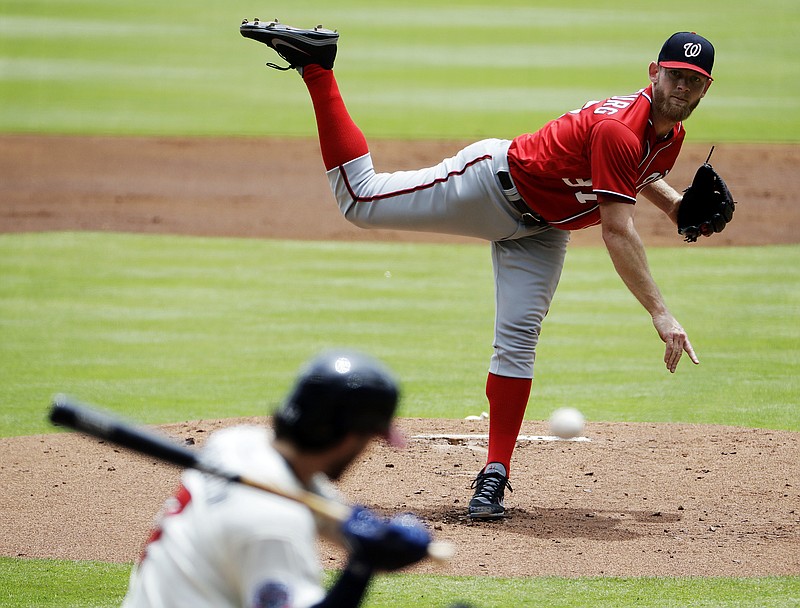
487 501
297 46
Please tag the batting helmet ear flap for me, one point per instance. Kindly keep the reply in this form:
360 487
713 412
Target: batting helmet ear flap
338 392
311 423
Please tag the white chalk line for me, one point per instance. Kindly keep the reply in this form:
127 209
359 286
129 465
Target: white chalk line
478 437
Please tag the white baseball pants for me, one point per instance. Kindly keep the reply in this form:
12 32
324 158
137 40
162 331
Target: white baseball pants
462 195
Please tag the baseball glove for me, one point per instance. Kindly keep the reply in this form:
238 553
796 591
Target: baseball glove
707 204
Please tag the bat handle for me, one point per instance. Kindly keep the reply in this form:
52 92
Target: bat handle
337 513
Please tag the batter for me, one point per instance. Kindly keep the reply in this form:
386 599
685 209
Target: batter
524 196
225 545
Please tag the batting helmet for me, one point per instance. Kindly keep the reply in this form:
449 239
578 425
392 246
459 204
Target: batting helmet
338 392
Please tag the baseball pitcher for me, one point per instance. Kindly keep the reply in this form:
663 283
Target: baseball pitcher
524 196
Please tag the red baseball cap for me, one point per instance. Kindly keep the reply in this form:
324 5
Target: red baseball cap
687 50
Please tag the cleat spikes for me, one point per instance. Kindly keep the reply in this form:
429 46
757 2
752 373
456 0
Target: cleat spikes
299 47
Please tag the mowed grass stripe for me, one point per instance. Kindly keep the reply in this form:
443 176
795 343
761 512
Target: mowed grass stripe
183 328
456 71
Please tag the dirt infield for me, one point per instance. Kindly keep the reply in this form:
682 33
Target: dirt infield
638 499
270 188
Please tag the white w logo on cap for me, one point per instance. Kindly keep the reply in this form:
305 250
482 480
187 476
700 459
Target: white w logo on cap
692 49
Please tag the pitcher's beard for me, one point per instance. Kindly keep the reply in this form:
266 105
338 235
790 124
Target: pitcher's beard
670 111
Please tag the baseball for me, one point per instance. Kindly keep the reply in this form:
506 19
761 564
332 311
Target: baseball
566 422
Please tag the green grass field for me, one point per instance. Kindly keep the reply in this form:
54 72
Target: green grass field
412 69
164 329
69 583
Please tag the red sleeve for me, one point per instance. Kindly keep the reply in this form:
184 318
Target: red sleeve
614 153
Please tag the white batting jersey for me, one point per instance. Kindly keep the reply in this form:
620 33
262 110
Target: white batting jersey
221 544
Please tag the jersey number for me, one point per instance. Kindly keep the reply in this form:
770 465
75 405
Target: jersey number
173 506
584 198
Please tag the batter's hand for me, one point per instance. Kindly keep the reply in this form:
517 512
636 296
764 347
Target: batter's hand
674 336
385 544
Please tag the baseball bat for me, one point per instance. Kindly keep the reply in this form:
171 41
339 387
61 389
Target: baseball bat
68 412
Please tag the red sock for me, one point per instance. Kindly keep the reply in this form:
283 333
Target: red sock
340 140
508 399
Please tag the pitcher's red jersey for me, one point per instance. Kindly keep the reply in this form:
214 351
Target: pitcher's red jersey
607 147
